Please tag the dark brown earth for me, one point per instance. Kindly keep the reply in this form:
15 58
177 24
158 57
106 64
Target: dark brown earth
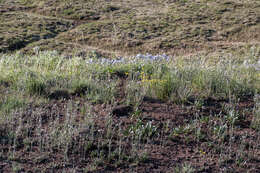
237 151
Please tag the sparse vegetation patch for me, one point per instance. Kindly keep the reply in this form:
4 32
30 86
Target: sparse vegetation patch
129 86
102 112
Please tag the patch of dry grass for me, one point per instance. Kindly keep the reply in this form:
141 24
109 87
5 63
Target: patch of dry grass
130 27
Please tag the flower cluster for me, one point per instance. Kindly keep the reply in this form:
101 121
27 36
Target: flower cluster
134 59
256 65
147 81
105 61
149 57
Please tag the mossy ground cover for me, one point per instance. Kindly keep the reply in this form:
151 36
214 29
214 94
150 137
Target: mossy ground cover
70 110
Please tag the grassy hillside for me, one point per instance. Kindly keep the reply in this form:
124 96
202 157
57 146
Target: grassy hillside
129 27
79 91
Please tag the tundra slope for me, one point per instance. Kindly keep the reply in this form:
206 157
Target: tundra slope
129 27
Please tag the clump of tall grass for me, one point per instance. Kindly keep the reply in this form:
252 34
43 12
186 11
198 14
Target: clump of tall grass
47 71
256 118
177 80
184 80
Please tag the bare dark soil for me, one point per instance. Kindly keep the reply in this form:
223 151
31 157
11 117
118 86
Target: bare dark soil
236 150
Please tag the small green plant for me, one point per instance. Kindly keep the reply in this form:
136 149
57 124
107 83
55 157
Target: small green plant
220 131
35 86
141 131
255 124
232 117
135 93
10 103
181 130
184 168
